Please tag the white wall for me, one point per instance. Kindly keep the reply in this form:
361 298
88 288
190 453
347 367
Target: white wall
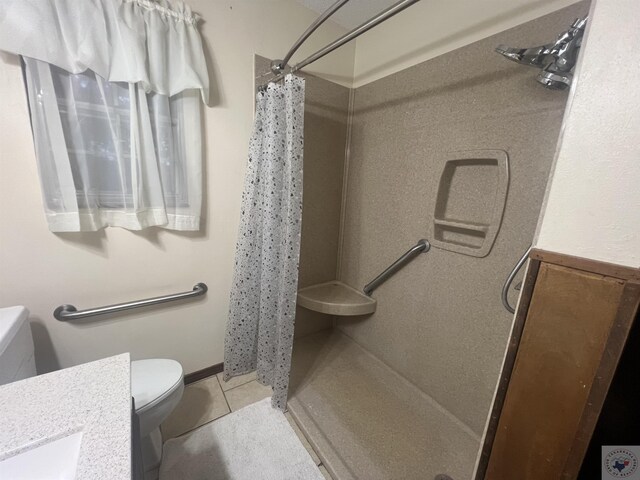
592 207
432 27
42 270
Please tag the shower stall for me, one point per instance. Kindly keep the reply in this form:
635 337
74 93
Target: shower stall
456 150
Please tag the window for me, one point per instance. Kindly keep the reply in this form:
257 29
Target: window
114 92
111 154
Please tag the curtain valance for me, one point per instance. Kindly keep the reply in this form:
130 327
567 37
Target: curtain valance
151 43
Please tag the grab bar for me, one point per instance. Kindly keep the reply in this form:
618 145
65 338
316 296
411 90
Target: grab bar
422 246
509 281
65 313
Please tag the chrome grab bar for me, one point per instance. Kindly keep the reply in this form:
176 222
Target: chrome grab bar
65 313
422 246
509 281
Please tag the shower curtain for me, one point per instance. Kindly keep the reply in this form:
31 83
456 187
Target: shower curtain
263 296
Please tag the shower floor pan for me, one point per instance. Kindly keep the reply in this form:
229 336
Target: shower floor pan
367 422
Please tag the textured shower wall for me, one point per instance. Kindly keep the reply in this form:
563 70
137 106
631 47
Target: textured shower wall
440 322
325 135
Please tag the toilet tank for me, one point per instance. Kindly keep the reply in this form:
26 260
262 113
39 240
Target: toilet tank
16 345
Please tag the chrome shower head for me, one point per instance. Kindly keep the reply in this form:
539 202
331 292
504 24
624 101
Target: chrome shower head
533 57
556 59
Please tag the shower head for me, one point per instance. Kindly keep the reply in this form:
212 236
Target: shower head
556 59
533 56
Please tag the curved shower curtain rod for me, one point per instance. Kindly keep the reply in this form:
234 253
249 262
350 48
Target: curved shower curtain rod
278 67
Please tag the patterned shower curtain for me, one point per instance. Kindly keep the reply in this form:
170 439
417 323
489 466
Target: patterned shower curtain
263 296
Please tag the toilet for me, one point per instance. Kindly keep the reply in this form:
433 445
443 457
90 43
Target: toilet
156 384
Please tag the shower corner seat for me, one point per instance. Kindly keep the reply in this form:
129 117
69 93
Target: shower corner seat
336 298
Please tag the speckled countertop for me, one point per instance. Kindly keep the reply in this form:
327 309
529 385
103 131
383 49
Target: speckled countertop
94 398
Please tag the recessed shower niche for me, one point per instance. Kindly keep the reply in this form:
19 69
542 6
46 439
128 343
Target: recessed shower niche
470 201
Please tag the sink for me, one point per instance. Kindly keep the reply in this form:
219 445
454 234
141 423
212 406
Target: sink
55 460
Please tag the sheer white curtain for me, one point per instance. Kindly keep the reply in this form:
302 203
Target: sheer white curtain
114 91
110 154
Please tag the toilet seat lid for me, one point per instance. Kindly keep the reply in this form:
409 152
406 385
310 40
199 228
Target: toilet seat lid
154 379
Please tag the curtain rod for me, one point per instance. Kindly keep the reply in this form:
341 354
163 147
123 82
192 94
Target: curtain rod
278 67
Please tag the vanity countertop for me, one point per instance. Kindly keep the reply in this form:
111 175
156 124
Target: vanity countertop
94 398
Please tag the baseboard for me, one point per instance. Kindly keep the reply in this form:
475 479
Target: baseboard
204 373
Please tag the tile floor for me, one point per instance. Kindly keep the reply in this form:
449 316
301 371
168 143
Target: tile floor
209 399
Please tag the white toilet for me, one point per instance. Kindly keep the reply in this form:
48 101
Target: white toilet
156 384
